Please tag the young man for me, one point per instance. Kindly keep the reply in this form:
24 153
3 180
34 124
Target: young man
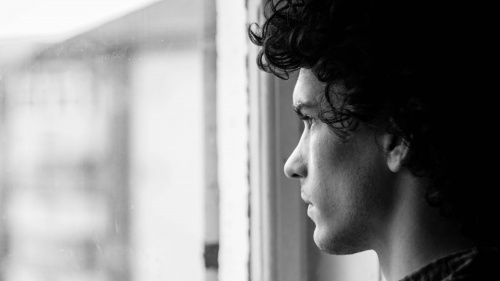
397 153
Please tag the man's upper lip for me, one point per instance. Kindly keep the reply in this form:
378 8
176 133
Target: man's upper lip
304 197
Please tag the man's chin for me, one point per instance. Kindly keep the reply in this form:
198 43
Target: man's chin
335 245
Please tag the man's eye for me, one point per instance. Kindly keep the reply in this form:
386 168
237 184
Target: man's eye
308 120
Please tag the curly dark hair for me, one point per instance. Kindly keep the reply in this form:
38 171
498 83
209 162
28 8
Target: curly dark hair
409 65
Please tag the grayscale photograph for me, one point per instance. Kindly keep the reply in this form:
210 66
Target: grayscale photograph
248 140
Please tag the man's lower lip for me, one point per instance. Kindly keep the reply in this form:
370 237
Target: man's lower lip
309 209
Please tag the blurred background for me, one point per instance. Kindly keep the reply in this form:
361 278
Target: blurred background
127 150
101 140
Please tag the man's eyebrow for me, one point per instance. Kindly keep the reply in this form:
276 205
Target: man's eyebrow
300 105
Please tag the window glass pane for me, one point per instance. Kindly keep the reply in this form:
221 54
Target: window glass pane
101 140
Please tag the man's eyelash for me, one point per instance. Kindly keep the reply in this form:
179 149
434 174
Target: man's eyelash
306 118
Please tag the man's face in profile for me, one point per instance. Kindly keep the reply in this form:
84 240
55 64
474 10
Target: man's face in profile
345 182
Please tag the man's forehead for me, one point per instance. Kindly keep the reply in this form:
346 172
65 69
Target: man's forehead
310 91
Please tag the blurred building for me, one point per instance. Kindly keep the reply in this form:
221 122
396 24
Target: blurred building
101 148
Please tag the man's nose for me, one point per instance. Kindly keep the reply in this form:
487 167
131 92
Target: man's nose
295 166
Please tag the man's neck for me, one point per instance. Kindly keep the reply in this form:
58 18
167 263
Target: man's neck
417 234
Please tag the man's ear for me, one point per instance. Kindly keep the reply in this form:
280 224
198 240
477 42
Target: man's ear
396 149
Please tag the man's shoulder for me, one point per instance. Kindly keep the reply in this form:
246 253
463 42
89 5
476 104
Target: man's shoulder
478 263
